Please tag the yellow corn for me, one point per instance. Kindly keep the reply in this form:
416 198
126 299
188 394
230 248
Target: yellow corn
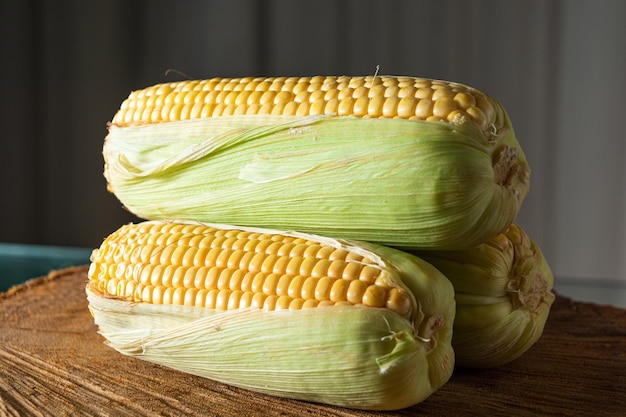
399 161
364 96
167 263
503 296
287 314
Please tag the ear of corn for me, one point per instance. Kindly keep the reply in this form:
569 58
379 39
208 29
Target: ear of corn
503 294
236 305
400 161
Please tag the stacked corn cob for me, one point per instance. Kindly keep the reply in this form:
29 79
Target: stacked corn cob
305 297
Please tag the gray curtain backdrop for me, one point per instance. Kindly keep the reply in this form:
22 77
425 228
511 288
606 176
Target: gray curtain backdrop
557 66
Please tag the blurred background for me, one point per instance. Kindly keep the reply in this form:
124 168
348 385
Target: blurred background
557 66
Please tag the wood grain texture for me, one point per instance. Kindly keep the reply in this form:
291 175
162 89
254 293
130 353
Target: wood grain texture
54 363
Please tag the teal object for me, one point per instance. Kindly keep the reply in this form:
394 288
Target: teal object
21 262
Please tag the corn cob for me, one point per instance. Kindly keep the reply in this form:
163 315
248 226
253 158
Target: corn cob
503 294
253 307
400 161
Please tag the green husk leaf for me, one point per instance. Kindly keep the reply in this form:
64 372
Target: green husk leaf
396 182
349 356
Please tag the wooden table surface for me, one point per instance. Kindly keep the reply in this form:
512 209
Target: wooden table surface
54 363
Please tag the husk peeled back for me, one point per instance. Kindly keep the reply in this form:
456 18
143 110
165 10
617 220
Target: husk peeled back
351 356
410 184
503 294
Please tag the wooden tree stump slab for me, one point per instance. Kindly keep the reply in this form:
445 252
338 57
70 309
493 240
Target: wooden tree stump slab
53 362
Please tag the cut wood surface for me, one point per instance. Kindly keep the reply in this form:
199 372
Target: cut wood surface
53 362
